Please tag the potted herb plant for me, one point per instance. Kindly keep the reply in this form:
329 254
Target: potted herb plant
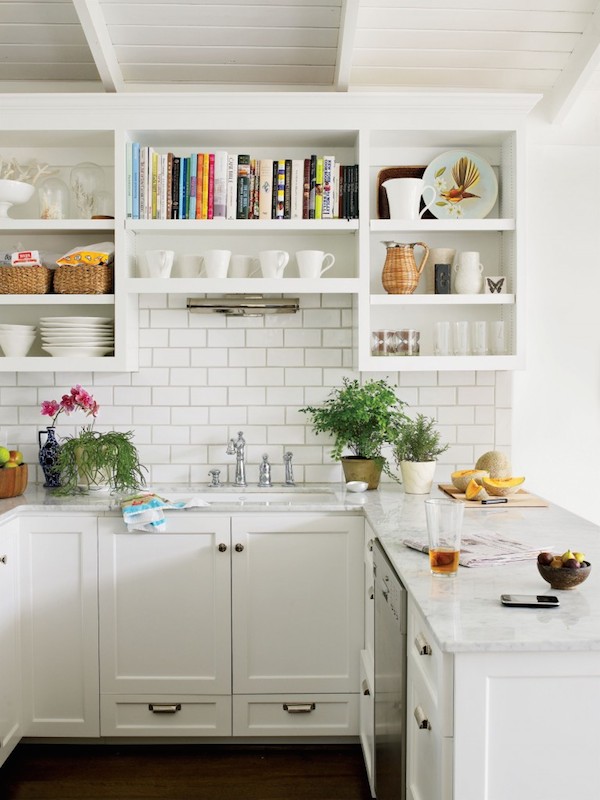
92 460
362 420
416 447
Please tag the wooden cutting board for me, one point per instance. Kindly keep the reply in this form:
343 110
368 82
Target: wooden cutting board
519 499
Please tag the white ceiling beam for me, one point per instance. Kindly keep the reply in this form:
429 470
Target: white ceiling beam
345 49
583 61
95 31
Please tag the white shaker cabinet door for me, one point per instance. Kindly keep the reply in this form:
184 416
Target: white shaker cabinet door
165 607
10 670
298 612
59 625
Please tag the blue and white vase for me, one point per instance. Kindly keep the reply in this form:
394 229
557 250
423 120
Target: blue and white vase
48 456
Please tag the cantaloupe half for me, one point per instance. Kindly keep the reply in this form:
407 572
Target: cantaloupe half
475 491
462 477
502 487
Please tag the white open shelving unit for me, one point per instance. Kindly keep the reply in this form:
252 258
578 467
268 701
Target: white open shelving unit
373 130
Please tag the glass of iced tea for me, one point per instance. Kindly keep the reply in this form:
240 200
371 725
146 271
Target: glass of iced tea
444 525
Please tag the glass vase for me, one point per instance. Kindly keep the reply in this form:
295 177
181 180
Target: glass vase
87 180
53 195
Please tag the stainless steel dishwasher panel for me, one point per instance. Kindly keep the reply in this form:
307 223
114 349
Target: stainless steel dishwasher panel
390 680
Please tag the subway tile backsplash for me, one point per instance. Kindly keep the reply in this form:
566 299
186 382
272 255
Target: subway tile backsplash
203 378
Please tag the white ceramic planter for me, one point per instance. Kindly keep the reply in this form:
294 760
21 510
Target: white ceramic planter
417 476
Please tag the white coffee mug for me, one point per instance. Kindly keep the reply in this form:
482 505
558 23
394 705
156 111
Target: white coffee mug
215 263
273 262
313 263
243 266
188 266
158 263
404 196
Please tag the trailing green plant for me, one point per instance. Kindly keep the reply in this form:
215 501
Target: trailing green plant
417 440
99 458
361 419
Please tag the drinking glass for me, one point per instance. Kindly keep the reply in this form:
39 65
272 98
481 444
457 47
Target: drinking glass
497 338
479 338
444 525
461 338
441 339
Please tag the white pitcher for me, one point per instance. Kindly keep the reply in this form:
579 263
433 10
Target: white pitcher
404 196
468 274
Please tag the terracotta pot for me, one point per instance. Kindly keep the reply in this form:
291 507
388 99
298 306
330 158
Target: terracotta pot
417 476
362 469
13 481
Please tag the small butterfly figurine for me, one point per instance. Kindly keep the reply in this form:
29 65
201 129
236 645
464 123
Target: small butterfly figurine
495 287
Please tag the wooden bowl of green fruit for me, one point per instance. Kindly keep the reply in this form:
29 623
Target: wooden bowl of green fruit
564 571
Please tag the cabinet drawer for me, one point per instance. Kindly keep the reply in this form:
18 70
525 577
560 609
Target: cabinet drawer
435 666
165 715
295 715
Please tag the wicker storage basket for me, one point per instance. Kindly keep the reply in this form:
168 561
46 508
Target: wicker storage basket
83 279
25 280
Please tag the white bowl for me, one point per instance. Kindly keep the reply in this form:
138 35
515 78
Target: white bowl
13 193
17 328
357 486
14 345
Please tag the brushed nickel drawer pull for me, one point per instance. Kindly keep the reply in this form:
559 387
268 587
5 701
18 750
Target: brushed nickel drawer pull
422 720
422 645
299 708
164 708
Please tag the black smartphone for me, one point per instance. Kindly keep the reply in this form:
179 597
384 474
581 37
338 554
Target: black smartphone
530 600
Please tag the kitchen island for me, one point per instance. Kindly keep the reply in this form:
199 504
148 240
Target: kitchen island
502 702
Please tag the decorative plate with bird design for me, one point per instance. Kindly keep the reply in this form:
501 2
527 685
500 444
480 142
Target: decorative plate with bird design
465 184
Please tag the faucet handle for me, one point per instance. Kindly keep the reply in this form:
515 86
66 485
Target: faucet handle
289 472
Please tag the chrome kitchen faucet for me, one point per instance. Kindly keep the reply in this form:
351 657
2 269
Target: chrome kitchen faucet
238 448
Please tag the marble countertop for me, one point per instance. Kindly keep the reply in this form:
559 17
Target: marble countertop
464 613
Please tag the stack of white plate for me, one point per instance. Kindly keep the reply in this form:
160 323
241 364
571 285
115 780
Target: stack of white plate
77 336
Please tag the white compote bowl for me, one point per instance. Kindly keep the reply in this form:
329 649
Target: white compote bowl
13 193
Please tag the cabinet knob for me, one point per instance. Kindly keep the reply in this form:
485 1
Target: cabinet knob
3 559
239 548
422 720
422 645
222 548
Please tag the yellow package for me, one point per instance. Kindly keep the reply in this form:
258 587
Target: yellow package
91 255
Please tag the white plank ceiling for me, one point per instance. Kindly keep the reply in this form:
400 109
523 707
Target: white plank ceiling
547 46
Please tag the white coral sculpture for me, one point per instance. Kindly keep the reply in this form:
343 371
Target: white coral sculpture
11 169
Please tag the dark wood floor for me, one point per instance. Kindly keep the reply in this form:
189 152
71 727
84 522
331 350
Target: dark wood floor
184 772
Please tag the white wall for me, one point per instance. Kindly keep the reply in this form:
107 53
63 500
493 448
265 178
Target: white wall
556 421
203 378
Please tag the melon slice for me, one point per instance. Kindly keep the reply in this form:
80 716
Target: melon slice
502 487
475 491
462 478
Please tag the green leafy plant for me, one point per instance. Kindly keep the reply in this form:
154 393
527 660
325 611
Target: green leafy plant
417 440
93 458
361 419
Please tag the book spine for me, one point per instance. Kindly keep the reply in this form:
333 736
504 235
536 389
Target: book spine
319 189
199 184
354 192
159 185
280 189
169 200
135 170
336 192
143 181
243 186
287 190
344 192
297 188
129 180
265 192
210 205
328 170
306 189
220 191
183 187
274 189
205 178
313 185
193 186
231 187
175 188
254 170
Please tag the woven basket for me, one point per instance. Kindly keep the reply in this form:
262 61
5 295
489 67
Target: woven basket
25 280
400 272
83 279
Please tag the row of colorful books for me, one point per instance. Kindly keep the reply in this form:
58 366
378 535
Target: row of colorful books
224 185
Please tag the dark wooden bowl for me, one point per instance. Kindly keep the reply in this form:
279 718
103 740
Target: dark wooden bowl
563 578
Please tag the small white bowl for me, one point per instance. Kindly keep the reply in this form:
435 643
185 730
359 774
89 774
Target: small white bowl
15 346
357 486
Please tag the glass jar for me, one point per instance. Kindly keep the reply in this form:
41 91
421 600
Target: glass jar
54 199
87 179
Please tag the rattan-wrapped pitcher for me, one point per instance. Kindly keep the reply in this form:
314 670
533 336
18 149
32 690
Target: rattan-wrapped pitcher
400 271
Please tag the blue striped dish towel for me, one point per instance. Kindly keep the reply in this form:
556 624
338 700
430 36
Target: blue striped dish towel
144 512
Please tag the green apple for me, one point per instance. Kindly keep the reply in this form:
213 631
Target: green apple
4 455
580 557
